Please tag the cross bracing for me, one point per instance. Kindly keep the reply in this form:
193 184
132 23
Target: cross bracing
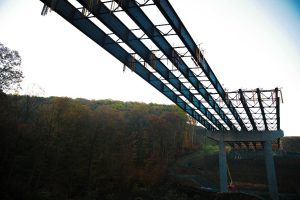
259 109
159 49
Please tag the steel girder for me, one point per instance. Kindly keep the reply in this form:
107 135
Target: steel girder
277 108
248 112
102 13
139 17
262 109
169 13
262 105
69 13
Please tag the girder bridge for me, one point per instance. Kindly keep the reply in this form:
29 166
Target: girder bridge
149 38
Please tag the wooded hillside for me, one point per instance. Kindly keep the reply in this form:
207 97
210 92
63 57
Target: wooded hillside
60 148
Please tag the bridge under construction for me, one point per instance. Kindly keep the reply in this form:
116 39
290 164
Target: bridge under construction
149 38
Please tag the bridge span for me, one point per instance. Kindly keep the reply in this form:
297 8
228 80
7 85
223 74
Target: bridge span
156 46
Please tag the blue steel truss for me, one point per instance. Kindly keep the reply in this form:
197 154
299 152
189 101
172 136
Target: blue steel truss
167 10
248 112
259 109
139 17
251 110
72 15
102 13
262 108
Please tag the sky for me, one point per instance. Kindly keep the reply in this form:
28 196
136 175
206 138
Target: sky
249 44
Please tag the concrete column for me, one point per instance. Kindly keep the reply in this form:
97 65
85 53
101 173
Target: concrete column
270 168
223 166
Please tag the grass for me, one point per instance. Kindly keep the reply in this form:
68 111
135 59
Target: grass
210 149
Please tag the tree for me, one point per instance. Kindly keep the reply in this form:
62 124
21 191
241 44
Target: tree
10 69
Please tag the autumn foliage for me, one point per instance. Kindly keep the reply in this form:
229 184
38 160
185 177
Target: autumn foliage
60 148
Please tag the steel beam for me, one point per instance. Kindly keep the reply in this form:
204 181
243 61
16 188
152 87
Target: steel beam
101 12
248 112
139 17
171 16
277 108
69 13
262 109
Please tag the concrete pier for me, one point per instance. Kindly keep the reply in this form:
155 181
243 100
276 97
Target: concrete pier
253 136
223 167
270 169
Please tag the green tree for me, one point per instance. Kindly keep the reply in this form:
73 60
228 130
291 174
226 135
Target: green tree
11 74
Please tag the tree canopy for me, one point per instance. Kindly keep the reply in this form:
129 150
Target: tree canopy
61 148
11 74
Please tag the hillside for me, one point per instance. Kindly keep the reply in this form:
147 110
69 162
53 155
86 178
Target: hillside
291 144
62 148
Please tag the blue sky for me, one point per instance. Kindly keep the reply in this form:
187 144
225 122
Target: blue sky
249 44
286 15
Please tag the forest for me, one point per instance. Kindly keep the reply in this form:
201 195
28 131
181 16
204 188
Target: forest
63 148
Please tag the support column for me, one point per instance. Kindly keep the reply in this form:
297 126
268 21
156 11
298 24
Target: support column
222 166
270 168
